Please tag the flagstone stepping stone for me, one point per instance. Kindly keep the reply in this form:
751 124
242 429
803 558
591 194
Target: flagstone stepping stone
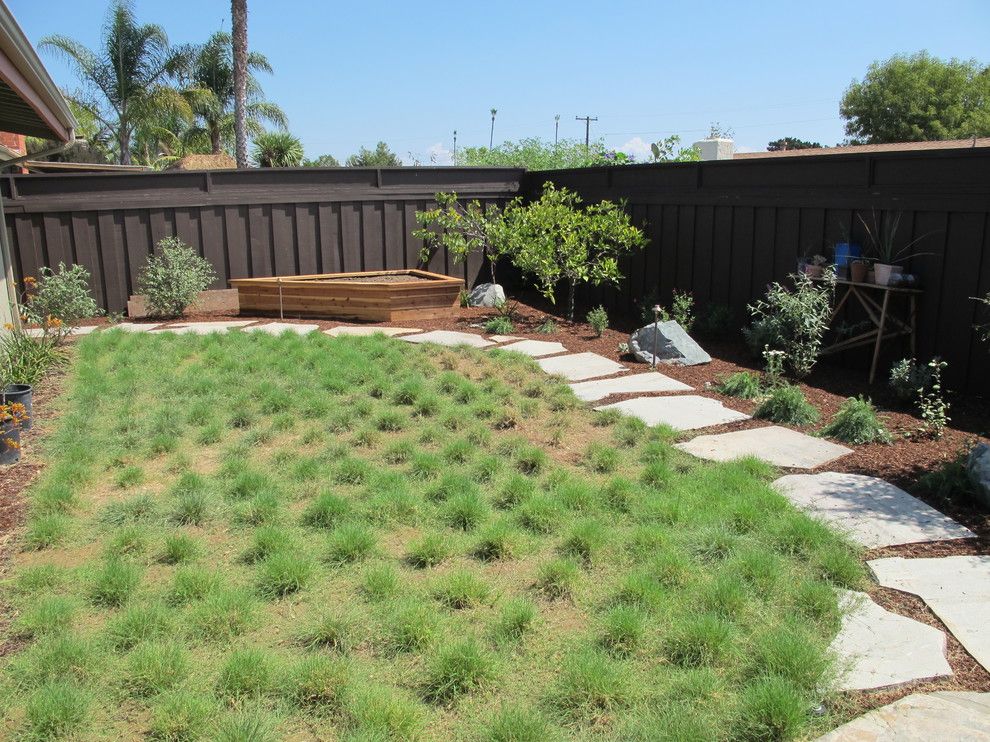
877 648
580 366
448 337
37 332
956 588
535 348
277 328
205 328
681 412
591 391
921 717
774 444
135 326
504 338
366 330
871 511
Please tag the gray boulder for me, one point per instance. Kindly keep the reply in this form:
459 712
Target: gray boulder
486 295
978 466
673 346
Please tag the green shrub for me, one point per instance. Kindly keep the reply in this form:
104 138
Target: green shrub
744 385
907 379
792 321
931 403
856 422
681 309
25 359
547 327
715 321
63 295
172 278
598 320
786 404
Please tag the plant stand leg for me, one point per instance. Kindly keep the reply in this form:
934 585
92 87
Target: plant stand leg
913 321
880 329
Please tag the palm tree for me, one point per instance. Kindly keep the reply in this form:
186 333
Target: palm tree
277 149
127 77
212 77
491 136
238 14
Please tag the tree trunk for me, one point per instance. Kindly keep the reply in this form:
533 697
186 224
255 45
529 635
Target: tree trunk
124 142
215 146
238 12
570 300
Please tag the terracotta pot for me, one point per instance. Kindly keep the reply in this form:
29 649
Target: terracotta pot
871 277
858 270
884 272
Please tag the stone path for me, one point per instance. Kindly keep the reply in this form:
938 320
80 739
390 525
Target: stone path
366 330
277 328
535 348
956 588
946 716
870 511
135 326
683 412
774 444
450 338
580 366
876 648
504 338
205 328
591 391
37 332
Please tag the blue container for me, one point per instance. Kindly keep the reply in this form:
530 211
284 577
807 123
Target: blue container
846 252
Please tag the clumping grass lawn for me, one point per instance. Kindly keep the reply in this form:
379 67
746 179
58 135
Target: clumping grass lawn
242 537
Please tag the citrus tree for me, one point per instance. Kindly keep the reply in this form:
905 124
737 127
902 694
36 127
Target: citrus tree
555 240
462 229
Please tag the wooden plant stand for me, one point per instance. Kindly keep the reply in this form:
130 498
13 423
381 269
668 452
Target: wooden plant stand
875 301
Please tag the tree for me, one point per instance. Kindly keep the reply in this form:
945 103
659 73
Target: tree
534 153
322 161
491 135
97 148
382 156
212 76
555 240
277 149
462 229
786 143
238 14
913 98
126 81
669 150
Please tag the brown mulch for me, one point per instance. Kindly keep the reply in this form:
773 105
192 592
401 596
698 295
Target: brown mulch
902 462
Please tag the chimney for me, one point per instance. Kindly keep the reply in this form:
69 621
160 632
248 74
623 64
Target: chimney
716 149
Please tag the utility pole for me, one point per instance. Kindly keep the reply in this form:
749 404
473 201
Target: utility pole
491 136
587 129
556 129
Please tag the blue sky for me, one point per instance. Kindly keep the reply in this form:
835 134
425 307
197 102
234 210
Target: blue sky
349 74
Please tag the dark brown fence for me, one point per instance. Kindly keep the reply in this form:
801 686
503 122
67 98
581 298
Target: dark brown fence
248 223
723 230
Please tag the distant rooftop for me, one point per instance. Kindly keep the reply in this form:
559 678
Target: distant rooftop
205 162
867 148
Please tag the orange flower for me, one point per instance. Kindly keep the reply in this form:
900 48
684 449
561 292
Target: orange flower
11 443
8 326
30 279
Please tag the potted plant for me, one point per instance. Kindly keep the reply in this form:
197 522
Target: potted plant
815 267
887 257
858 270
18 394
12 416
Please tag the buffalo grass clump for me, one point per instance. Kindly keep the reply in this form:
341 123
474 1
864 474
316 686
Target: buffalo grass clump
154 667
114 583
326 511
180 715
856 422
179 548
317 682
558 578
56 710
457 669
284 573
428 551
592 683
351 542
461 589
743 384
514 619
786 404
380 582
246 672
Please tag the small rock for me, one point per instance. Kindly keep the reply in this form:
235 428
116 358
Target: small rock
486 295
673 345
978 466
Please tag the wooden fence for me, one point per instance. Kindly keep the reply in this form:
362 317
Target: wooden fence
721 230
248 223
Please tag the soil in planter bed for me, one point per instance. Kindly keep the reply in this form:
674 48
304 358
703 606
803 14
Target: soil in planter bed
400 278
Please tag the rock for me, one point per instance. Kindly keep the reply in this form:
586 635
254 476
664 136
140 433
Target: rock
486 295
978 466
673 345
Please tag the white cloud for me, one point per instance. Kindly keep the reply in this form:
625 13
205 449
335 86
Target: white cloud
435 154
637 148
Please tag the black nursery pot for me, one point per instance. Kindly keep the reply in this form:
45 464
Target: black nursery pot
19 394
10 442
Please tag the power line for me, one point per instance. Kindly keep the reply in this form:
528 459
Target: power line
587 129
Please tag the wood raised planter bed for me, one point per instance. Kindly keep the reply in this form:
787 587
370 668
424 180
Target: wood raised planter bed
378 296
